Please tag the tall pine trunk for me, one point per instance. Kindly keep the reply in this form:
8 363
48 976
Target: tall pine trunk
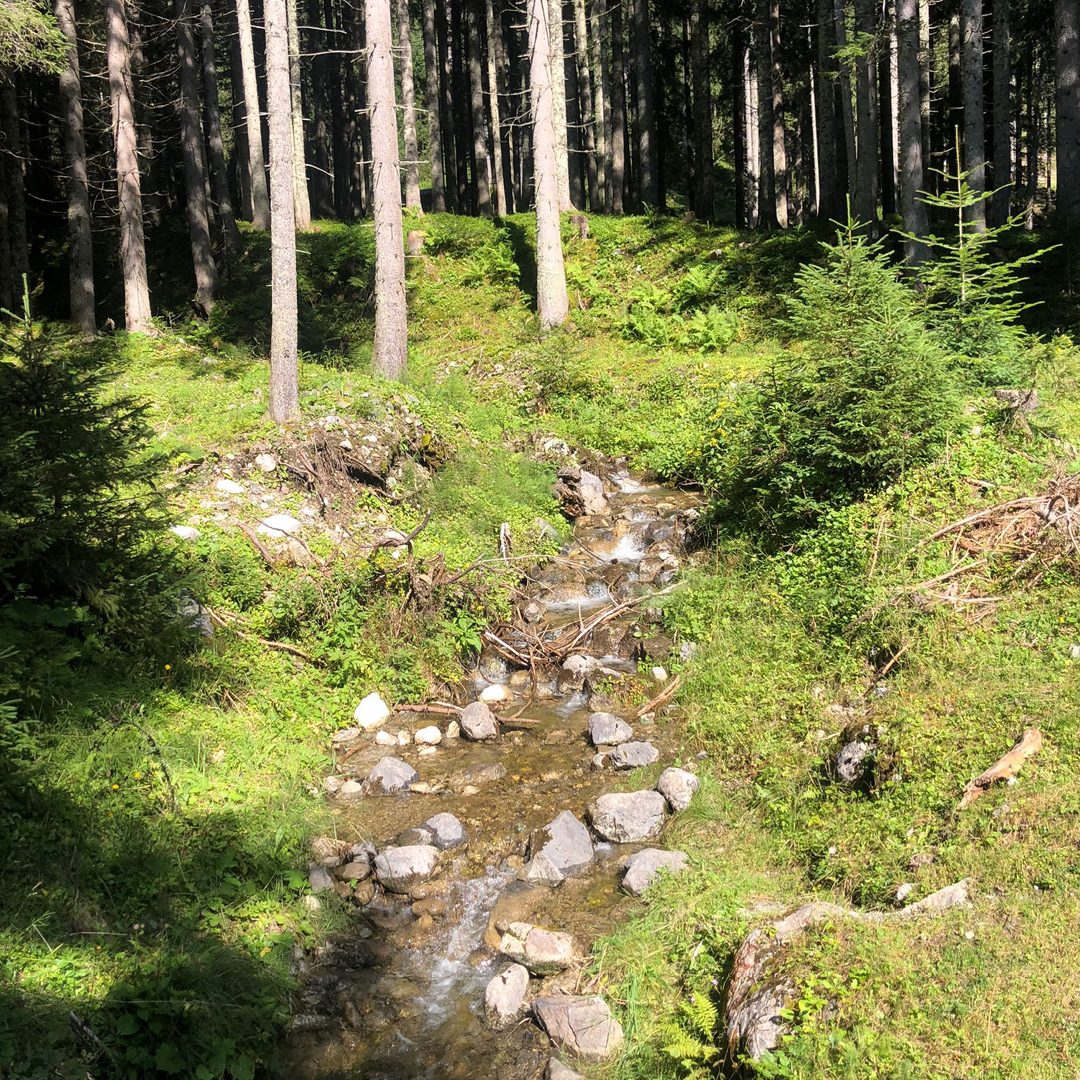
322 200
646 106
81 266
830 189
433 104
284 371
971 76
1001 201
601 78
886 117
481 174
703 111
390 350
494 37
618 111
912 180
767 194
585 97
16 183
301 198
847 114
260 197
241 160
129 188
558 101
446 111
219 176
779 138
1067 100
552 301
202 254
738 119
408 108
459 108
867 171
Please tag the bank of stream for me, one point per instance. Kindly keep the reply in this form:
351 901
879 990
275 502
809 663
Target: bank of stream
402 996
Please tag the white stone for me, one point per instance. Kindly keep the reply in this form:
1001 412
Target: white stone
230 487
678 787
904 891
185 532
266 462
543 952
384 738
428 736
403 738
453 730
659 674
278 525
495 692
401 868
504 997
427 751
371 713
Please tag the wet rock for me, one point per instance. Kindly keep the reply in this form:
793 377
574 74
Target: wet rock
446 831
432 905
606 729
350 791
356 870
391 774
492 666
401 868
495 692
504 997
320 880
608 640
478 723
345 736
453 730
678 787
582 1025
364 892
428 736
385 738
567 849
543 952
575 670
657 647
533 611
580 492
643 866
556 1070
599 761
633 755
371 713
628 816
327 852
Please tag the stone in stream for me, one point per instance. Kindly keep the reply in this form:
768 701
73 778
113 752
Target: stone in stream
389 775
401 868
371 713
356 870
582 1025
495 692
385 738
567 849
477 722
504 997
428 736
678 787
628 816
543 952
634 755
575 670
556 1070
606 729
591 490
446 831
643 866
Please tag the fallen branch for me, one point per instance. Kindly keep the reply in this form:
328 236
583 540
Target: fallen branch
257 544
1006 767
225 619
660 698
434 709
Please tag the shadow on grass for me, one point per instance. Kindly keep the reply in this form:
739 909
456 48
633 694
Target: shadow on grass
523 244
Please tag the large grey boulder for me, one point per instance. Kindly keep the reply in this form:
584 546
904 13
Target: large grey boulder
606 729
391 774
400 869
628 816
643 867
582 1025
477 722
543 952
504 997
678 787
633 755
567 849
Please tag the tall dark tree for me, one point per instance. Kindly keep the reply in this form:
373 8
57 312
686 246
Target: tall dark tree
971 76
1067 107
646 110
703 110
911 145
433 104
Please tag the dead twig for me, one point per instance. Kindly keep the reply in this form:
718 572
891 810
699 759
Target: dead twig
660 698
1006 767
257 544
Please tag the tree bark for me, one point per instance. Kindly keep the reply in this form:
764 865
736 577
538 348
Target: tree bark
753 150
7 291
767 192
867 170
433 103
202 254
408 108
618 111
971 75
149 161
16 189
81 268
241 159
846 111
1000 205
322 201
284 372
601 78
829 188
779 138
886 115
366 158
301 199
1067 100
460 109
558 102
219 177
703 111
912 180
585 97
646 119
738 120
446 113
260 198
494 36
552 301
390 350
575 158
132 241
481 176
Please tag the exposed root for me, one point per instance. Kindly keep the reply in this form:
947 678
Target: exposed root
1006 767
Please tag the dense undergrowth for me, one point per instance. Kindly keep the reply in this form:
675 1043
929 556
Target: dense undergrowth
157 789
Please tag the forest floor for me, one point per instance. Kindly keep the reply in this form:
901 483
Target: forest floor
155 885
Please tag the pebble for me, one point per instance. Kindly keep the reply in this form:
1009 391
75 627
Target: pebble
453 730
428 736
230 487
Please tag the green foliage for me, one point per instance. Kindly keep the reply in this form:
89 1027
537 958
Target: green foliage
30 40
867 395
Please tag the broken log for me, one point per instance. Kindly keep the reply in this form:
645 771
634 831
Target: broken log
1005 767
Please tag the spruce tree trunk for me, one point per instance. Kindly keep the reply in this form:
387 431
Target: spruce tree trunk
618 111
1000 205
601 78
1067 100
367 168
703 111
129 189
830 205
433 104
753 150
924 80
767 192
202 254
1034 143
81 268
408 108
867 170
241 159
585 97
575 151
552 301
260 198
558 102
284 394
779 139
971 76
738 120
481 175
16 189
390 349
353 103
886 111
646 120
7 291
322 199
847 114
460 110
219 176
912 180
502 83
301 199
149 163
494 36
446 113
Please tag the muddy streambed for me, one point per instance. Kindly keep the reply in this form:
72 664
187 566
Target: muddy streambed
401 997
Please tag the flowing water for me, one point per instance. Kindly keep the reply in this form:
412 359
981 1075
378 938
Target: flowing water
402 997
